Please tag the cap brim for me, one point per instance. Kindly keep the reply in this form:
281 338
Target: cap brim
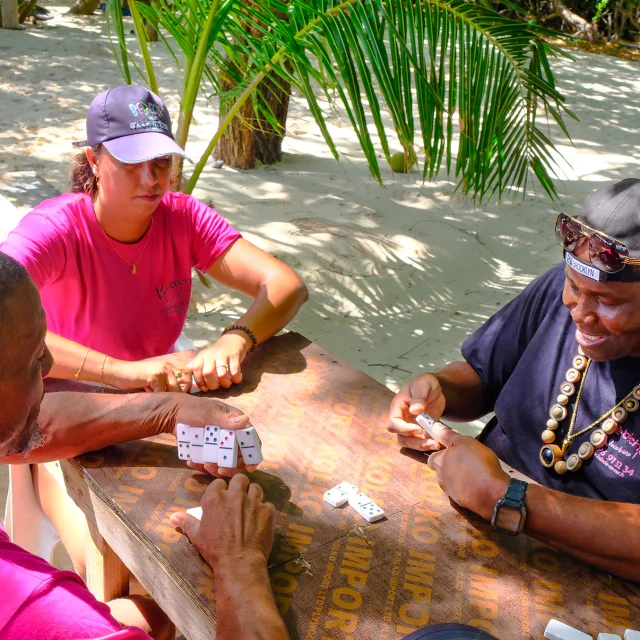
142 147
450 631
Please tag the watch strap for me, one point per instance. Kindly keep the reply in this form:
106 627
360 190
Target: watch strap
514 495
513 499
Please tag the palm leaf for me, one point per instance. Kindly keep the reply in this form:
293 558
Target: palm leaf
465 89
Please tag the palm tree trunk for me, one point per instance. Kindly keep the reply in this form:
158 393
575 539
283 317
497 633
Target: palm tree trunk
9 14
236 147
84 7
267 141
26 10
250 138
150 27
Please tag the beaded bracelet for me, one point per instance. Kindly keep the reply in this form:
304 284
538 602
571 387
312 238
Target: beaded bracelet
241 327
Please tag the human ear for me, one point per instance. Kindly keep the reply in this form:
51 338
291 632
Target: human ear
93 159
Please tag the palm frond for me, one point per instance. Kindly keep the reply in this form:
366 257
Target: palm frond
464 89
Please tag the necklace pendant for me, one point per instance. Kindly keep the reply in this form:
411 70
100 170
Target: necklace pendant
549 455
134 269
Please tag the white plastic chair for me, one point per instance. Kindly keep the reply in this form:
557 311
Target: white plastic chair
24 520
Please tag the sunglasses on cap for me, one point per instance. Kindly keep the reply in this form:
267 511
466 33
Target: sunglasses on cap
606 253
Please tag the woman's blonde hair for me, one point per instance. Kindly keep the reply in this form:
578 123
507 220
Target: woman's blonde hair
83 180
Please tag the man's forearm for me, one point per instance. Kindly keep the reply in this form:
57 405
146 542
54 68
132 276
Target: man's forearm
245 606
587 529
74 423
463 391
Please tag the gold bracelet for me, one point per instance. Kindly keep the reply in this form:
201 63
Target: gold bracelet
102 372
77 375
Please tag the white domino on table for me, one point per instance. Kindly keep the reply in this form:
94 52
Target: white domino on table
630 634
196 512
340 494
197 444
228 452
249 445
183 433
211 447
426 422
366 507
608 636
557 630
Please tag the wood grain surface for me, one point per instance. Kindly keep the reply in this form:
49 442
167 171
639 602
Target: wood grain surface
335 576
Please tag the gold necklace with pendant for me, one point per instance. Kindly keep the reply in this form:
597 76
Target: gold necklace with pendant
133 265
551 455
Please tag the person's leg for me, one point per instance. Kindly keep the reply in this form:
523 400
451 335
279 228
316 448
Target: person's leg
66 517
144 613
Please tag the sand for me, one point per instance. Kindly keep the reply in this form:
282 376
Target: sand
398 276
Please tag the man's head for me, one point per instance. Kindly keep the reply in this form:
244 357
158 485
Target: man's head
606 306
24 359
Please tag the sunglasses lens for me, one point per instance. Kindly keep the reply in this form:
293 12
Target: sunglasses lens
607 254
568 232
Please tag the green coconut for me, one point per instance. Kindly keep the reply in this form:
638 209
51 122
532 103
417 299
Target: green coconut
400 163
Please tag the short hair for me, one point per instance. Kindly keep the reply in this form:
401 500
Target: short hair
12 273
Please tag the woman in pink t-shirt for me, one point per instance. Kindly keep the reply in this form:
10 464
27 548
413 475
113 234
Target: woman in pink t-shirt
113 261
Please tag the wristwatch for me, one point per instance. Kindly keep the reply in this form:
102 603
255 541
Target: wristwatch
510 513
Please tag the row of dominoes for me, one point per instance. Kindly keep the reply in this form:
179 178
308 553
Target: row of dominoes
220 446
557 630
345 492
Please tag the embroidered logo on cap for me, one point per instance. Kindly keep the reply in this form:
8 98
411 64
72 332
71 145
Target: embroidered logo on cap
150 110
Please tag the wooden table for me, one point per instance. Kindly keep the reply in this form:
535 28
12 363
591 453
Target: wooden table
333 575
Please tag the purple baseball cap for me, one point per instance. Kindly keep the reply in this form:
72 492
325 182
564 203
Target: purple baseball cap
132 123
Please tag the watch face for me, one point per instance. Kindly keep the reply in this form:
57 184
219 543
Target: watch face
508 519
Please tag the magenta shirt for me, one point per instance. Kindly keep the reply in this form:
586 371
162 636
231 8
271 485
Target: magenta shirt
88 290
39 602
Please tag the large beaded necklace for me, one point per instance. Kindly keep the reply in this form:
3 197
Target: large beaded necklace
551 455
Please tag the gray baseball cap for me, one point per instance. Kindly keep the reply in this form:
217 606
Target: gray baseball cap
615 210
132 123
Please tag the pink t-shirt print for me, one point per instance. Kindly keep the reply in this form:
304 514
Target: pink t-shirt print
87 288
40 602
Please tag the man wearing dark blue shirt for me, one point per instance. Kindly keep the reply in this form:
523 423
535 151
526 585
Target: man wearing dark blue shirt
559 367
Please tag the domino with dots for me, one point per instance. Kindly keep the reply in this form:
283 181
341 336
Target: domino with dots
228 452
197 444
211 447
339 495
366 507
249 444
183 433
426 422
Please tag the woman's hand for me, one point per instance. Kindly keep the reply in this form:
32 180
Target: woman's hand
423 393
162 373
219 365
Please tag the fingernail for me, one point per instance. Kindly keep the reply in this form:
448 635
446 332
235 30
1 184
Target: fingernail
238 419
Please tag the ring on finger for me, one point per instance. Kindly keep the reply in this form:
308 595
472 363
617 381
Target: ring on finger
178 374
222 366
